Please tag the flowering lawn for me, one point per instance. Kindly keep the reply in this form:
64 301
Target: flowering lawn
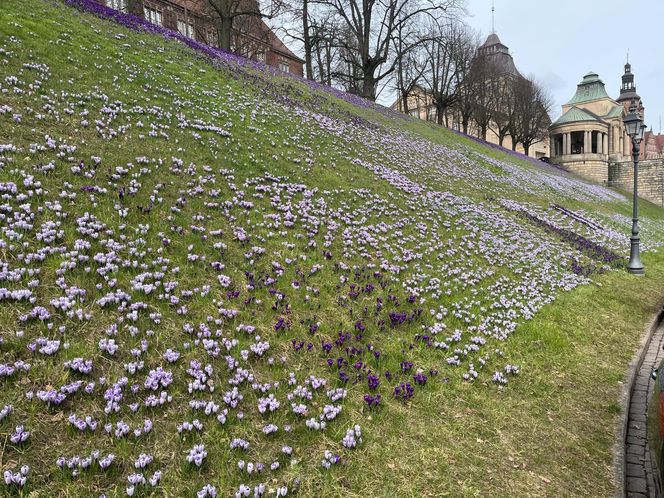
217 280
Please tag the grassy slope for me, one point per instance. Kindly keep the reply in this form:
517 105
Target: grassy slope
548 433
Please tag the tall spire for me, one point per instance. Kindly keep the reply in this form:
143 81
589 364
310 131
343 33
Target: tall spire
628 87
493 16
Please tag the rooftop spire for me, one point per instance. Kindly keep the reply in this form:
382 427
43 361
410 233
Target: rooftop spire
493 16
628 87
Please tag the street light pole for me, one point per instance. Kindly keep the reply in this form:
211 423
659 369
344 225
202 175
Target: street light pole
635 266
635 129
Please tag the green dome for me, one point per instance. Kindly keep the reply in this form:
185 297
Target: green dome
575 115
591 88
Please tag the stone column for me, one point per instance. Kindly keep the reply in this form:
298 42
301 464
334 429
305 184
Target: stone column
569 143
621 147
552 145
586 142
626 144
605 143
559 150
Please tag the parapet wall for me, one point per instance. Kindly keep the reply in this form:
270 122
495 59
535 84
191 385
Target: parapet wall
651 178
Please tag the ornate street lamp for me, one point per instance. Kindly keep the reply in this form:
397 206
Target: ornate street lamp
635 129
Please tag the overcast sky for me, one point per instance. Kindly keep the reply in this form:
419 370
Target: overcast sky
558 41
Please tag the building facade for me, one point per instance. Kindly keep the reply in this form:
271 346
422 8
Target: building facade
420 102
590 133
196 19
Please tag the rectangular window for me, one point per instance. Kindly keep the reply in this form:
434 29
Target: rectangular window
117 4
186 29
260 56
152 15
284 66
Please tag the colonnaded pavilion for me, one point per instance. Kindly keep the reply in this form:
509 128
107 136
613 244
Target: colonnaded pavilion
591 133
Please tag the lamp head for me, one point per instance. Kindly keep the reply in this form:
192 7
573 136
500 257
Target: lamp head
634 123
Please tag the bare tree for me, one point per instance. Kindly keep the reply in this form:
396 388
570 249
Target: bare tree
370 26
250 37
306 38
531 117
409 66
447 57
484 85
347 65
465 102
505 108
300 22
324 49
227 11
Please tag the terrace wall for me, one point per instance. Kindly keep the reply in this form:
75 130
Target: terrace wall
651 178
586 165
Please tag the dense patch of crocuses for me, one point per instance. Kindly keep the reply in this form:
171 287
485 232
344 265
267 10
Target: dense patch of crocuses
196 285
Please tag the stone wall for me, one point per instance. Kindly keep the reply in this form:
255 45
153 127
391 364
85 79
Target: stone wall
588 166
651 178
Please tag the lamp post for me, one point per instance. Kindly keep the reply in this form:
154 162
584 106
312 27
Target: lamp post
635 129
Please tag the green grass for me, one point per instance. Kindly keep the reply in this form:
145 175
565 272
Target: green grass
548 432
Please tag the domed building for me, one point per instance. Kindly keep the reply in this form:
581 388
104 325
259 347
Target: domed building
591 133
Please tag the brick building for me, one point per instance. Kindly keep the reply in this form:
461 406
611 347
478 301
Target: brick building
196 19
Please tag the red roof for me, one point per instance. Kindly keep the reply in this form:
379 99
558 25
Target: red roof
277 45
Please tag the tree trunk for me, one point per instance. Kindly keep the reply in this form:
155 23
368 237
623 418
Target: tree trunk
320 64
501 138
307 40
464 125
440 111
526 148
369 87
514 144
483 132
328 65
404 101
224 27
